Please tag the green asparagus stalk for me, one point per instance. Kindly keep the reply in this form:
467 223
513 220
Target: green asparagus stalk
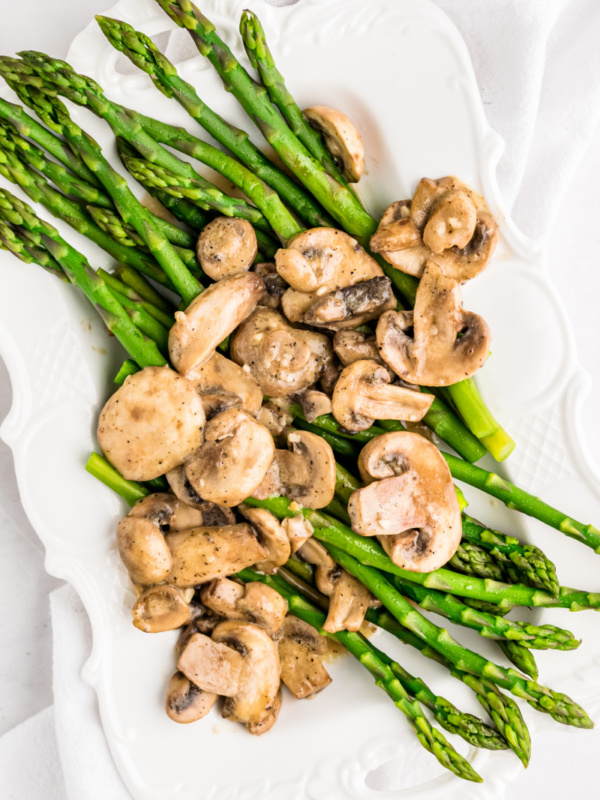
17 213
530 565
521 657
503 710
499 609
544 637
108 220
130 491
143 321
558 705
144 289
128 367
430 738
13 241
117 285
470 559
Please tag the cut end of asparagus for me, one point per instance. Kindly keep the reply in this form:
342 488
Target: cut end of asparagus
499 445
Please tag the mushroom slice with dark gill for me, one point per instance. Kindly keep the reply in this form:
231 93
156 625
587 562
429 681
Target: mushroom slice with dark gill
305 472
275 286
151 424
234 459
222 384
341 139
410 503
352 305
448 344
314 404
350 346
282 359
252 602
298 530
185 702
212 513
161 608
348 598
271 535
226 246
364 394
300 649
210 318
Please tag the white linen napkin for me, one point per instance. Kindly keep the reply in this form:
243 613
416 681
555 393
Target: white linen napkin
538 68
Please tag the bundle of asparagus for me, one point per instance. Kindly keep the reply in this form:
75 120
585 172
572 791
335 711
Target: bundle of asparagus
61 167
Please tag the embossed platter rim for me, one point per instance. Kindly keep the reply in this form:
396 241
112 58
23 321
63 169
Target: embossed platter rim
47 406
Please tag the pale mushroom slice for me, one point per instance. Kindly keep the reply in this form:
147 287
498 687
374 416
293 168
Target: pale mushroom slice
222 384
275 285
252 602
398 240
466 263
212 666
448 343
257 687
410 502
352 305
348 598
319 261
161 608
234 459
452 222
268 719
314 404
275 416
341 139
300 649
305 472
167 512
212 514
210 318
226 246
298 530
283 360
364 394
271 535
185 702
203 554
351 346
151 424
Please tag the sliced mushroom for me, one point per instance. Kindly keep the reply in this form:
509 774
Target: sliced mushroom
282 359
143 550
341 139
167 512
258 684
275 285
298 530
446 221
211 665
320 261
203 554
185 702
410 503
435 355
222 384
209 318
305 472
364 394
271 535
314 404
253 602
161 608
235 457
300 649
227 245
151 424
351 346
268 719
348 598
212 514
351 305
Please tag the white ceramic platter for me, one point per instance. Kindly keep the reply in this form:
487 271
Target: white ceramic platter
402 73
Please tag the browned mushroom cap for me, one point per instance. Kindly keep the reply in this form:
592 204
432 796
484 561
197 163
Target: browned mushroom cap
298 530
258 682
435 355
341 139
212 514
317 262
300 648
143 550
466 263
398 240
235 457
253 602
411 503
271 535
210 318
167 512
305 472
185 702
426 196
151 424
226 245
275 416
364 393
282 359
314 404
452 222
161 608
222 384
352 305
351 346
275 285
268 719
348 598
203 554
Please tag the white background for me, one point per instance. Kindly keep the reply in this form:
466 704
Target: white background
557 768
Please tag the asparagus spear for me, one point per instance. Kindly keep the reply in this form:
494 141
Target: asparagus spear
117 285
13 241
521 657
558 705
108 218
542 637
142 51
470 559
499 609
503 710
526 562
17 213
431 739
